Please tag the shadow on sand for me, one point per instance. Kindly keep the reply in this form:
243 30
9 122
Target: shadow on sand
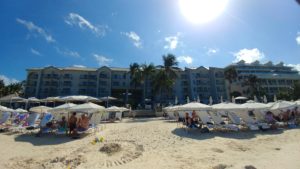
196 134
44 140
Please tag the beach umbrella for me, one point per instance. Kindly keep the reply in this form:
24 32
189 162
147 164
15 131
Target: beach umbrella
107 99
232 99
4 109
192 106
297 102
198 99
19 110
210 100
187 99
87 108
227 106
252 105
40 109
116 109
78 98
275 98
255 98
63 108
265 99
280 105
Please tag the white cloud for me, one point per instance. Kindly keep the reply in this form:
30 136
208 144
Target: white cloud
212 51
75 19
67 52
295 66
8 80
35 52
248 55
186 59
134 37
36 29
172 41
298 38
102 60
80 66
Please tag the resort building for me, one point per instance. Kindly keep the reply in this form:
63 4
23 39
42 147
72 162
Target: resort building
269 79
199 83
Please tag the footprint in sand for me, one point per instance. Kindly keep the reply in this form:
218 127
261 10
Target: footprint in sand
217 150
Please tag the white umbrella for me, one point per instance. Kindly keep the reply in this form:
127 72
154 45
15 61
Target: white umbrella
232 99
275 98
227 106
107 99
116 109
192 106
19 110
87 107
252 105
198 99
4 109
255 98
187 99
63 108
33 99
40 109
79 98
210 100
297 102
265 99
280 105
241 98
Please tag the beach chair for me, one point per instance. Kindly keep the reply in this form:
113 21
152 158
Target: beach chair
29 123
219 123
48 117
4 118
204 117
118 116
250 122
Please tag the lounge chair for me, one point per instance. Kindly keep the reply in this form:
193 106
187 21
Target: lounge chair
220 123
30 123
251 123
43 124
118 116
4 118
205 119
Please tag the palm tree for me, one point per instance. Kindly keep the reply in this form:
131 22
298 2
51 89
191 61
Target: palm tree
147 71
169 63
252 81
230 75
161 82
135 74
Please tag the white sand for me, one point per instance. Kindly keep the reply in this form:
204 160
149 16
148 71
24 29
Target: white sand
154 143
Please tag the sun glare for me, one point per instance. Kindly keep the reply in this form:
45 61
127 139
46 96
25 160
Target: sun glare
202 11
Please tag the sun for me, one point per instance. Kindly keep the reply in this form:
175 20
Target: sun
202 11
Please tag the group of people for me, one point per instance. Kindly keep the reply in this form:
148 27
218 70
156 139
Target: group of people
288 116
78 125
192 121
70 127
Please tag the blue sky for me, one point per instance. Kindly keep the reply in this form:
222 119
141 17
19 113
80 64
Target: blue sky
116 33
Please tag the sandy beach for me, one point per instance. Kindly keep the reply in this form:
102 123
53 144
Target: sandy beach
154 143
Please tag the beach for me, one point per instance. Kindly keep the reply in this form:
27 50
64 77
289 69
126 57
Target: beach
153 143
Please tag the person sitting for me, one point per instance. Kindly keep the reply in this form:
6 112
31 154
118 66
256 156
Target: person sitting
269 118
186 119
195 120
62 125
72 123
83 123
